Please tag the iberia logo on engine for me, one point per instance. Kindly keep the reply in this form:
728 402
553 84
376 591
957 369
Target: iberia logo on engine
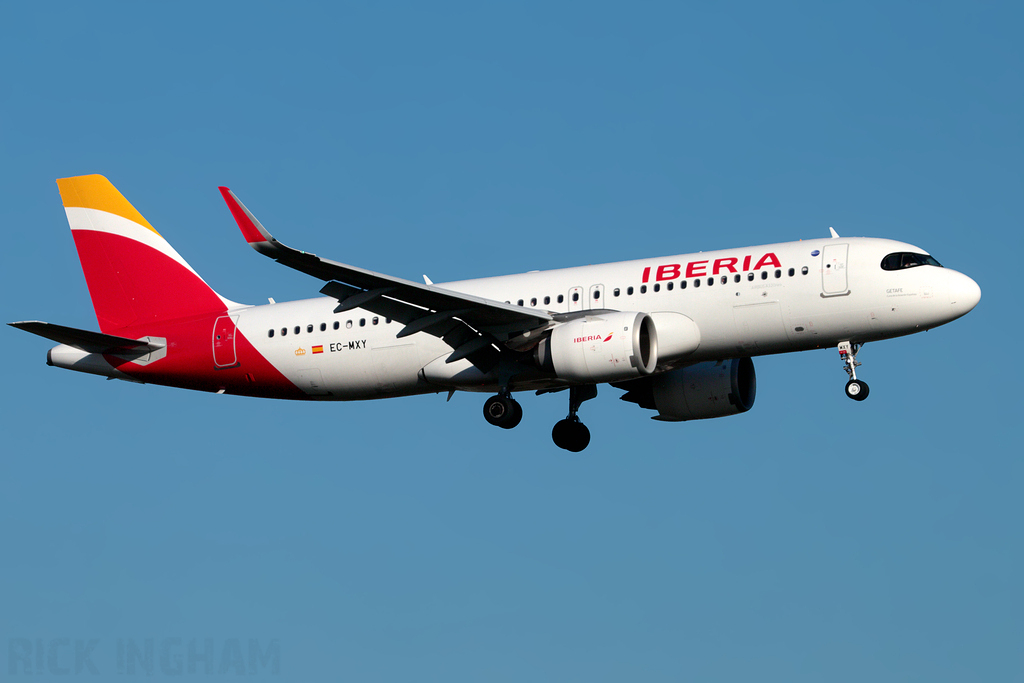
592 337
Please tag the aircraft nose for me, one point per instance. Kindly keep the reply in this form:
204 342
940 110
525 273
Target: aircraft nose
964 294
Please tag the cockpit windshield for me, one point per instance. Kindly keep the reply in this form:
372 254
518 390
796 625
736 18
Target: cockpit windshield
907 259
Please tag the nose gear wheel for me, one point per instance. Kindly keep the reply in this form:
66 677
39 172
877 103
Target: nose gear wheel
855 388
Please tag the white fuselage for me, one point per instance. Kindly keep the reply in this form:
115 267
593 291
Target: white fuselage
745 302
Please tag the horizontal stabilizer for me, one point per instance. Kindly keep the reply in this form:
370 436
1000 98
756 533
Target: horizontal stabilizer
91 342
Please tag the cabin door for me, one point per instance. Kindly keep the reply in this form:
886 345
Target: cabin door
833 269
224 331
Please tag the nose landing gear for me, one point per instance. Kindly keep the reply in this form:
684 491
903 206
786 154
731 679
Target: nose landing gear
855 388
571 434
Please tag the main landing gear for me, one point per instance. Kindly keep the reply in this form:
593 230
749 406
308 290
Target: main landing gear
855 388
503 411
570 433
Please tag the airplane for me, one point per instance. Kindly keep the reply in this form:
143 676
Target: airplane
676 333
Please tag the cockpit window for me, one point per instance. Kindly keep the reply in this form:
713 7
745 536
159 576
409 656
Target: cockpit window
906 259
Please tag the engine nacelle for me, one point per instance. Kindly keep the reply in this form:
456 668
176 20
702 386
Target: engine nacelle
697 392
606 347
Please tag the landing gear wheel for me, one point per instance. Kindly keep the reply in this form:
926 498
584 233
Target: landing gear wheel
857 389
517 416
570 434
503 411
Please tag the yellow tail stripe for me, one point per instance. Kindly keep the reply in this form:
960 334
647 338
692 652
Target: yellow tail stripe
96 192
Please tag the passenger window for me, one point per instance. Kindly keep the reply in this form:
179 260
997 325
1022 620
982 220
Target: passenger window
519 303
284 331
336 324
792 272
764 274
376 320
778 273
575 296
597 294
309 328
696 282
711 281
657 288
547 300
323 327
387 321
669 286
803 270
561 298
643 289
736 277
725 279
615 292
629 291
750 276
297 329
682 284
362 322
270 333
533 301
348 324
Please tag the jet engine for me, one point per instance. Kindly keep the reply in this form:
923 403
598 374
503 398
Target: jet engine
696 392
605 347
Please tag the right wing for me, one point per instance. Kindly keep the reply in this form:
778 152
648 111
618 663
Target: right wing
475 327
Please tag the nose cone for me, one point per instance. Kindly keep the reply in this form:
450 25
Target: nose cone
964 294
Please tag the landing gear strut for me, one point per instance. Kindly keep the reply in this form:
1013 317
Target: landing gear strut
503 411
570 433
855 388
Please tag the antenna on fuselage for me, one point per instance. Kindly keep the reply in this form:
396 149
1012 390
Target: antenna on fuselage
832 230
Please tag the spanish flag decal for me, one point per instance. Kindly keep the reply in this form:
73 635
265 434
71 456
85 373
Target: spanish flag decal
318 349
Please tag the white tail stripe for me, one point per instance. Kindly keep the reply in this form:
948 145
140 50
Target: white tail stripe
81 218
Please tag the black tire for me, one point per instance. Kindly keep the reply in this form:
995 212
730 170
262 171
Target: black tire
560 433
857 390
580 437
570 435
503 411
517 415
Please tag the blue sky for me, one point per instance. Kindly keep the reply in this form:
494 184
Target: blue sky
810 539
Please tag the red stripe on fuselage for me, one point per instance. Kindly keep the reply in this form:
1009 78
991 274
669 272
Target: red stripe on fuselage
138 291
189 363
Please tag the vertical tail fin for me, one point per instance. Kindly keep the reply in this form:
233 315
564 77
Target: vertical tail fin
134 275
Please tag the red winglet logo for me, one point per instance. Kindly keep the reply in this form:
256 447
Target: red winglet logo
609 336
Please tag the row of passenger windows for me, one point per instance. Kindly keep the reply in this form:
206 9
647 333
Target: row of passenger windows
669 286
323 326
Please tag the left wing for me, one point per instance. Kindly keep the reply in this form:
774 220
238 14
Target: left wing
473 326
